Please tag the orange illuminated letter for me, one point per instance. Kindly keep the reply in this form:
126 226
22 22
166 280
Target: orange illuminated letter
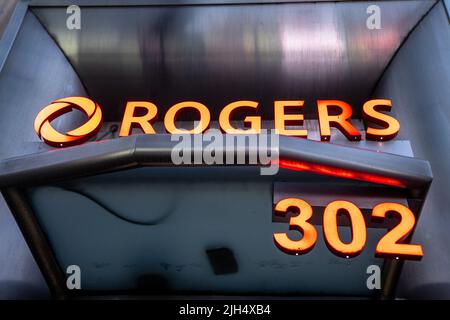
130 120
299 223
227 112
282 119
389 245
340 121
331 232
173 112
390 126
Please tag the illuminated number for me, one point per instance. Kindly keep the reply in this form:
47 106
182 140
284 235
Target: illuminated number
389 245
331 232
299 223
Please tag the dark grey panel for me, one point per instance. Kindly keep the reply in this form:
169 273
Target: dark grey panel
219 54
164 250
419 81
20 277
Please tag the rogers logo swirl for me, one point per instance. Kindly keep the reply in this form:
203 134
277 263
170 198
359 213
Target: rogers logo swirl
44 129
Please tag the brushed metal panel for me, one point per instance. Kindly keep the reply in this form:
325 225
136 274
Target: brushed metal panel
35 73
419 81
218 54
6 9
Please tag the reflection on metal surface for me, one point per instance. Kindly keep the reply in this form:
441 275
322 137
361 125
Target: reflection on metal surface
219 54
418 80
35 73
335 172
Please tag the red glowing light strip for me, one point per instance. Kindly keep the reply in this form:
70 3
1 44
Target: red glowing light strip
337 172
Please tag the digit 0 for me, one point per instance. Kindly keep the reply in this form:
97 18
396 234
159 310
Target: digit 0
331 231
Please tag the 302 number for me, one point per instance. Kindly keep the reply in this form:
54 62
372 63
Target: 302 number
388 246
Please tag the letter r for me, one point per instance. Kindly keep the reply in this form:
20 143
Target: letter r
130 120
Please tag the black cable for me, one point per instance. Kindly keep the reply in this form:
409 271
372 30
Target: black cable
112 211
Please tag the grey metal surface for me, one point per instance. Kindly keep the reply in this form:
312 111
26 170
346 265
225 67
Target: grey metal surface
160 247
34 73
219 54
20 277
419 80
6 9
11 28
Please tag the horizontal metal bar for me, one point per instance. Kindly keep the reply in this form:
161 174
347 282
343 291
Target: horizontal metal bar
145 150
